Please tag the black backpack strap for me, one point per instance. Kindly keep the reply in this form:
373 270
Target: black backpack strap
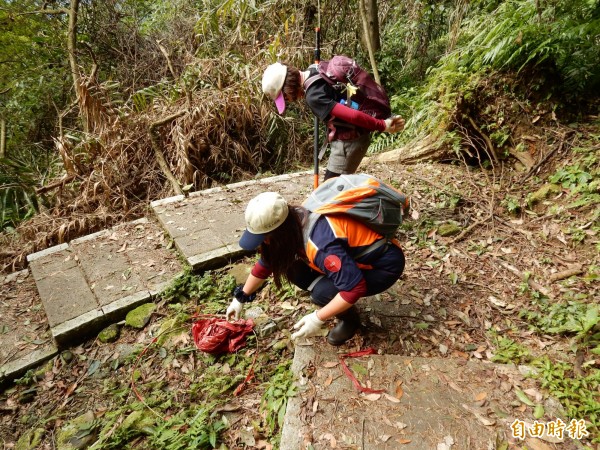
310 80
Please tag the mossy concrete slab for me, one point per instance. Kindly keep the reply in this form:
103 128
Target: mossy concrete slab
425 400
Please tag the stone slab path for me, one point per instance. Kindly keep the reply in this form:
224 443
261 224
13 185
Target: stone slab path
206 226
426 402
78 287
25 337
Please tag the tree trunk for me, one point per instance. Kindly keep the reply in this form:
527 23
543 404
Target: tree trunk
158 153
367 37
72 44
372 14
2 137
427 149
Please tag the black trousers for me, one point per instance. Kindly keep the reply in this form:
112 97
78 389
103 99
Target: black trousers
322 290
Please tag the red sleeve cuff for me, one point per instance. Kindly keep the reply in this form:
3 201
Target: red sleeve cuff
260 271
358 291
357 118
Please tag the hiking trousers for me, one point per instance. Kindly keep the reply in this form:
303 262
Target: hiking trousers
345 156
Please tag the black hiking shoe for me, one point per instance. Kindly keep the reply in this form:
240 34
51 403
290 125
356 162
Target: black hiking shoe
348 323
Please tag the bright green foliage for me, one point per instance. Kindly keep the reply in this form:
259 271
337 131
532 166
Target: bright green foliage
210 289
559 35
33 80
555 47
274 400
414 38
509 351
577 394
187 412
512 204
190 428
571 316
575 177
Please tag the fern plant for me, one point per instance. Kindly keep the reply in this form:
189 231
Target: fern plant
560 36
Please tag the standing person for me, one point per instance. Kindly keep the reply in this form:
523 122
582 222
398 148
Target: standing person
329 265
349 129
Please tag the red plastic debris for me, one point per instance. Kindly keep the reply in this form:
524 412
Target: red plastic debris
216 335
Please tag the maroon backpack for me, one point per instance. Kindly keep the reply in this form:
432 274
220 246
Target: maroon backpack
369 98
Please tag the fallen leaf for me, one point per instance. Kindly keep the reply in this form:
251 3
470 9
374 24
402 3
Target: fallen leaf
385 437
404 441
539 411
330 364
523 397
480 396
391 398
399 390
328 380
531 392
454 386
123 248
372 397
536 444
70 389
332 440
484 420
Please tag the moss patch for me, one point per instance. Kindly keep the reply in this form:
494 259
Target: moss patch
542 193
77 433
30 440
109 334
448 229
140 316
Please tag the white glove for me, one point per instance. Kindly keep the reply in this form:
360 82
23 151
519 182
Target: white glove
309 325
394 124
234 310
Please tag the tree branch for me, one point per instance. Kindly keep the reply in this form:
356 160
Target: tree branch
58 183
160 157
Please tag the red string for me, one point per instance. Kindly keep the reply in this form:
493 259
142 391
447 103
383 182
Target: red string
348 372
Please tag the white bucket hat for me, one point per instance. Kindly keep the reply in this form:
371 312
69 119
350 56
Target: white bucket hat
264 213
272 83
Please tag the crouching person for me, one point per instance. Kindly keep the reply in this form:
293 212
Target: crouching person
333 262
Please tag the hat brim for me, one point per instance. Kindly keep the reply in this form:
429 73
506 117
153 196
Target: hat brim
280 103
251 241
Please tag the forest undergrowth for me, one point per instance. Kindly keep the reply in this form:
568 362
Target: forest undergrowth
502 266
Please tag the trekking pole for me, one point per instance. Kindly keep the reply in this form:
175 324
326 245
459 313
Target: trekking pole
316 122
